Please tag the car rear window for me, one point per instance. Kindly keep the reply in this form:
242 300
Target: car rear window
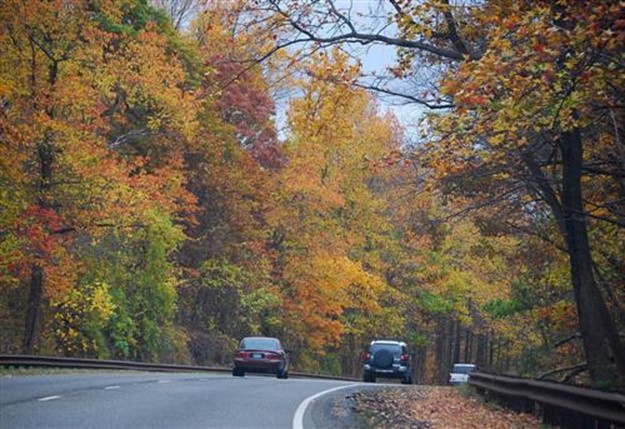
394 348
260 344
462 369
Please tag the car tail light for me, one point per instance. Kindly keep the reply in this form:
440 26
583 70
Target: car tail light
366 356
404 358
271 355
241 354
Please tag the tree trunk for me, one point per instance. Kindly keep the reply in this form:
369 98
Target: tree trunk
456 342
468 345
351 357
498 364
439 351
600 337
420 361
491 350
506 367
45 154
37 275
482 351
32 310
443 350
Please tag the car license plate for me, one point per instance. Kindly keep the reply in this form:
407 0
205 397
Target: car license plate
257 355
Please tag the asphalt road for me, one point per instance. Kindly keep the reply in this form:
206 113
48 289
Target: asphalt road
156 400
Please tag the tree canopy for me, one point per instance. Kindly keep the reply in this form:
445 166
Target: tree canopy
160 197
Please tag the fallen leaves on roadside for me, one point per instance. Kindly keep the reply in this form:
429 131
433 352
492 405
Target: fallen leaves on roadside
432 408
389 407
448 408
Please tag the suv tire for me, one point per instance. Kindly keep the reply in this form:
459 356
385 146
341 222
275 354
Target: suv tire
383 359
367 377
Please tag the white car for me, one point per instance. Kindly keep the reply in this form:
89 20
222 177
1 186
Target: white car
460 373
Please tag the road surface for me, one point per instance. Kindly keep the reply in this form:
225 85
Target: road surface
157 400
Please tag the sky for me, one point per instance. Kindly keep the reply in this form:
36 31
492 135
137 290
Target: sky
375 59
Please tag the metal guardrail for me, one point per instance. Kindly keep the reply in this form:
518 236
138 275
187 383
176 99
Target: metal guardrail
64 362
558 404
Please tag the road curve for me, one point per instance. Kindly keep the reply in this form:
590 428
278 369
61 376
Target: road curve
156 400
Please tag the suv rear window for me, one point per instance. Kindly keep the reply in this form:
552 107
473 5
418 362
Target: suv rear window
394 348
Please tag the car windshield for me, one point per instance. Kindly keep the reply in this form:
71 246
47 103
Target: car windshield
394 348
463 369
260 344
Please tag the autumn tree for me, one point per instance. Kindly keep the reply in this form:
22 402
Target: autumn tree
537 122
229 290
83 95
524 84
329 223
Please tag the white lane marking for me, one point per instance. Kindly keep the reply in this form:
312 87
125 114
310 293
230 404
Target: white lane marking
48 398
298 418
163 381
111 387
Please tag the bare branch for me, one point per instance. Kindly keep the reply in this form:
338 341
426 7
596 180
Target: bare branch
603 172
354 36
180 11
256 61
605 219
119 140
575 368
461 214
68 229
536 234
405 96
574 371
575 336
342 17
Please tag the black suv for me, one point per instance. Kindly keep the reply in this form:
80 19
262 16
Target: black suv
388 359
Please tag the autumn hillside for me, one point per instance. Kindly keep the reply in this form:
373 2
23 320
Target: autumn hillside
154 208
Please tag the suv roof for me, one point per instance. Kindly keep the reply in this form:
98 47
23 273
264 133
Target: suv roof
401 343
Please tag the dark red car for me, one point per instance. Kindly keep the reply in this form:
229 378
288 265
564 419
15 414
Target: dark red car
262 355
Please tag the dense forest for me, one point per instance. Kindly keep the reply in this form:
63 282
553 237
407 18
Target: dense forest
155 205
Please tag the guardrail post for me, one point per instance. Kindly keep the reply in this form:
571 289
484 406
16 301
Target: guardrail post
550 415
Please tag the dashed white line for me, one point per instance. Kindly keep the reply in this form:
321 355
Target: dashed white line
163 381
111 387
48 398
